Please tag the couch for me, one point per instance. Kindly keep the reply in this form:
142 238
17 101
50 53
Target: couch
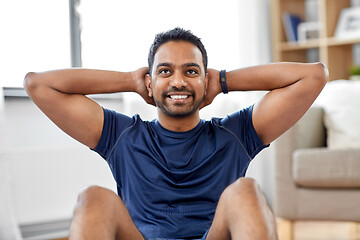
313 182
316 163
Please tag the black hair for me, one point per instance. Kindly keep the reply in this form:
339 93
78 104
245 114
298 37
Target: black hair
176 34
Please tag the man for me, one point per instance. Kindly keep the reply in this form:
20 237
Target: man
179 177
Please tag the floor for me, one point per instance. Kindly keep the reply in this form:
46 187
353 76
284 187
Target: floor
314 230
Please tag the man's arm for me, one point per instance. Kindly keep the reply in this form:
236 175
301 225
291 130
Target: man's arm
293 88
60 94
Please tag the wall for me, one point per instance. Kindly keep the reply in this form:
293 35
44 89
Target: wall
47 168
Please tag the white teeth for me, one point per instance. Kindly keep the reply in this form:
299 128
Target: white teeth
178 96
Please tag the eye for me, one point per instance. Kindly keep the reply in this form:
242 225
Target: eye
192 72
164 71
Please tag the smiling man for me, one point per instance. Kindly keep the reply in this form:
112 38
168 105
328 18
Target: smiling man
178 177
178 85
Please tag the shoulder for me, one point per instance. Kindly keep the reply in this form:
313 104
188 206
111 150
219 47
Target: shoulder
237 124
113 117
241 117
115 124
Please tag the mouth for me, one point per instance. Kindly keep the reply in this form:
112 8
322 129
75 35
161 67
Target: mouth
178 97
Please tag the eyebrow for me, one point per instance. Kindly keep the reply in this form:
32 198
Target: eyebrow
192 65
166 64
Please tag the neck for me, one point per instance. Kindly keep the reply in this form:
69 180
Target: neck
178 124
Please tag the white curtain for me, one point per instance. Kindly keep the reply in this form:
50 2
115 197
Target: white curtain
255 32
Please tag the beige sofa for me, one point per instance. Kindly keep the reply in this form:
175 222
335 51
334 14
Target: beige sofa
313 182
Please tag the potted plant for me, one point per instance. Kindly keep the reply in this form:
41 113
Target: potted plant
355 72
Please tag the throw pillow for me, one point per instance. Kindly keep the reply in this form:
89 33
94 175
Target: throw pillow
341 102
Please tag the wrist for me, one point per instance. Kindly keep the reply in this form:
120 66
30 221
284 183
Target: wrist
223 81
137 81
133 82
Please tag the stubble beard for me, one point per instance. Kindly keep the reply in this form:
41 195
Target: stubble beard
165 108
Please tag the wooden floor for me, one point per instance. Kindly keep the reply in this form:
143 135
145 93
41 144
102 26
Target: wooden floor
315 230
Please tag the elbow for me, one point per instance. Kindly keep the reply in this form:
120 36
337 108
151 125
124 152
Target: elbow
321 74
30 82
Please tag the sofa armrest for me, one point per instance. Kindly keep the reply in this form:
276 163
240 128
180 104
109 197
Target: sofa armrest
308 132
327 168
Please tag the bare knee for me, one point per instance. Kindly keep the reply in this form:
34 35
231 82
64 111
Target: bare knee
102 214
243 189
244 194
96 193
94 196
245 207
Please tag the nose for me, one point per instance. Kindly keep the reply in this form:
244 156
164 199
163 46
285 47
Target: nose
178 80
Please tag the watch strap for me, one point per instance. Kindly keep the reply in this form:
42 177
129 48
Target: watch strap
223 81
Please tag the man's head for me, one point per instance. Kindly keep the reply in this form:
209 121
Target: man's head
178 78
176 34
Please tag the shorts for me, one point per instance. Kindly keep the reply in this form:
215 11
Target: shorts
203 238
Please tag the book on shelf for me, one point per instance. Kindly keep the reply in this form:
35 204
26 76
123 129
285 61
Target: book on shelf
291 23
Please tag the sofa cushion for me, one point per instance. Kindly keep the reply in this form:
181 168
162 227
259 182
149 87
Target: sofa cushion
323 167
341 102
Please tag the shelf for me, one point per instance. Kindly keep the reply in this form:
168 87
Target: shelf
339 42
316 43
335 53
290 46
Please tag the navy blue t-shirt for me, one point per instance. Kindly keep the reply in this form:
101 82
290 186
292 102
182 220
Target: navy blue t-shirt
170 181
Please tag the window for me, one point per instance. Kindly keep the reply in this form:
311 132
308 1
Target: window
35 36
116 35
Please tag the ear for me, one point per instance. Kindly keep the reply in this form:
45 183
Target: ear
206 81
148 84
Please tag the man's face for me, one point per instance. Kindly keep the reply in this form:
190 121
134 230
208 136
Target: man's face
178 80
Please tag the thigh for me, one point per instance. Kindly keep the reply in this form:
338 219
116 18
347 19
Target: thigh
101 212
242 212
126 228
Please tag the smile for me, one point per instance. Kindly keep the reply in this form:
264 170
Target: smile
178 97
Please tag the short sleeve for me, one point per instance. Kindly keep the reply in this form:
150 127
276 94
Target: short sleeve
113 126
241 125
